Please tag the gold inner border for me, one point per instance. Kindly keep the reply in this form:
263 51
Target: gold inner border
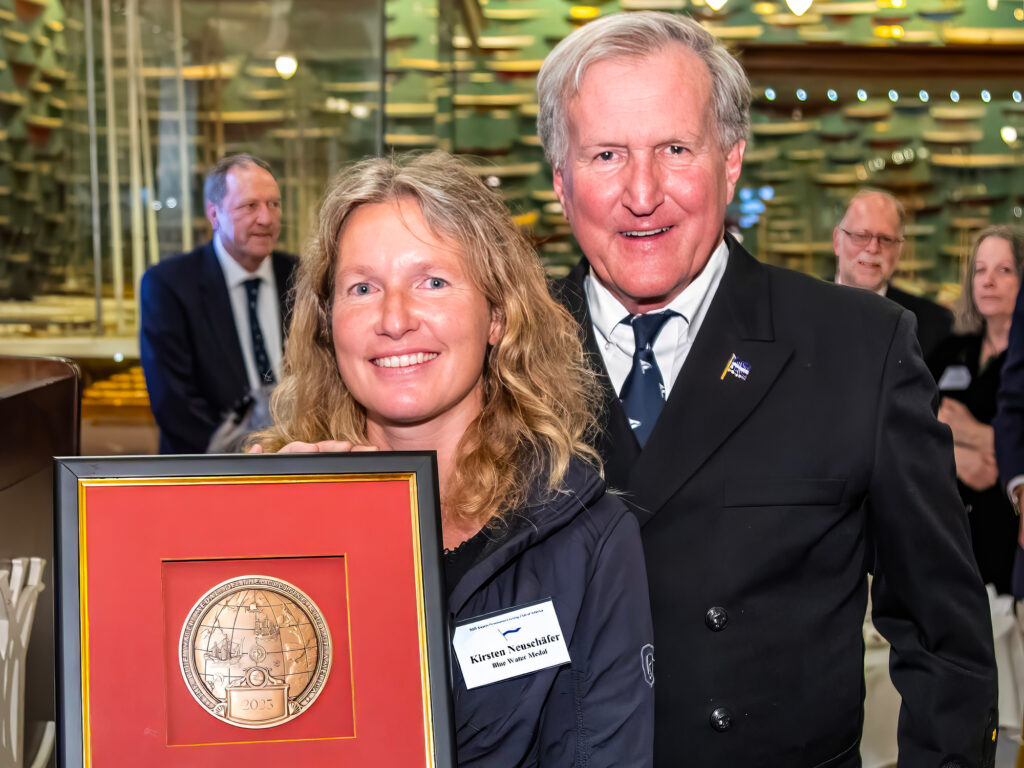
409 477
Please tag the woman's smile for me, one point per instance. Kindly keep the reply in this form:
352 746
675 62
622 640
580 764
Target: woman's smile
404 361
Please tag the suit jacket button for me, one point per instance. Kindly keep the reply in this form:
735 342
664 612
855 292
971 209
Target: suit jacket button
716 618
721 719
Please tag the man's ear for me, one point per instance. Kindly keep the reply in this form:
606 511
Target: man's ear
561 186
733 166
211 215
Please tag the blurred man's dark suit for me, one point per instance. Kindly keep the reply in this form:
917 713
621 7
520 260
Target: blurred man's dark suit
1009 421
934 321
195 372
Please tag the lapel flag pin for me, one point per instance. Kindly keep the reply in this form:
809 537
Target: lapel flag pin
737 368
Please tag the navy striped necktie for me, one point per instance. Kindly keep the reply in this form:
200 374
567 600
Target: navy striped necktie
259 348
643 393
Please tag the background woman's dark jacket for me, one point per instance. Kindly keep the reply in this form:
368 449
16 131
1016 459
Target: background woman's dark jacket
992 519
582 550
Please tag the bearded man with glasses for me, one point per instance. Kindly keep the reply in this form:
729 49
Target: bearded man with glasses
868 243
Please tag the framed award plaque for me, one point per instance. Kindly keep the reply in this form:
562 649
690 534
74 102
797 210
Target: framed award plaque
244 610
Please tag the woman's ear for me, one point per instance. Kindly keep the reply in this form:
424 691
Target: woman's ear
497 326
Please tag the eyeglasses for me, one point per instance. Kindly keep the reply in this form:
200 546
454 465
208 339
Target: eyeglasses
861 239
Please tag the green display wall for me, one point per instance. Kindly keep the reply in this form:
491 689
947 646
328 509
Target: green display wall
920 97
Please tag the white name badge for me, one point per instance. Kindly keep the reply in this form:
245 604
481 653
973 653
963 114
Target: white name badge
505 644
955 378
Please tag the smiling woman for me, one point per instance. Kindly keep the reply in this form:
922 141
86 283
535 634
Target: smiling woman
410 327
422 321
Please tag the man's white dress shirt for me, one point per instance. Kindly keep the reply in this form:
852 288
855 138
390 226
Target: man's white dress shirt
615 339
267 309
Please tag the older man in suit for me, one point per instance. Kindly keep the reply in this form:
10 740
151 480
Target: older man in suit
868 243
774 434
212 320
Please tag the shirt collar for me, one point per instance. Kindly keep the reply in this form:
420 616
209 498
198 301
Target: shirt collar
234 273
606 311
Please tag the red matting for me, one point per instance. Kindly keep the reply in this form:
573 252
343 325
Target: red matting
333 533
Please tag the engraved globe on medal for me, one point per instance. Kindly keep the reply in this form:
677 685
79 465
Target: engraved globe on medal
255 651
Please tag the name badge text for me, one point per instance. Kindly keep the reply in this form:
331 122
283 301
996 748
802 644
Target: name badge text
510 643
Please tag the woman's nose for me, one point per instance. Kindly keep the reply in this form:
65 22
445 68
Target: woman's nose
397 315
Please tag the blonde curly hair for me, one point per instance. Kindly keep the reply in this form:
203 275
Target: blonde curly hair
539 395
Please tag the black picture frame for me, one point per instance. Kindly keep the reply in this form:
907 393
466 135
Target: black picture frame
71 472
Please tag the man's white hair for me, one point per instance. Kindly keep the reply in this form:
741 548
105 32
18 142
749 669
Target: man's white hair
637 35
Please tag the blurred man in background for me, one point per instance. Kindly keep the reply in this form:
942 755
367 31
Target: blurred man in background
213 321
868 243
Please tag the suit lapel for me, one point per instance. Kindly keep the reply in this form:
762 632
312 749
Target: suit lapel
220 318
707 403
617 445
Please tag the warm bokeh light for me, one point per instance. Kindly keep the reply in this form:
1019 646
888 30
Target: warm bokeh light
286 66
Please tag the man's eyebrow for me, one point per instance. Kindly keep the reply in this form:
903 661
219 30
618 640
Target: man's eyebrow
247 200
683 140
599 143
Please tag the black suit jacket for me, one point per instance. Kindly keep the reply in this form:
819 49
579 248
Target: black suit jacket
195 372
762 502
1009 420
934 322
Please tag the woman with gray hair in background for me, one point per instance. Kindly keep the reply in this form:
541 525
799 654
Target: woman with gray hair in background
422 321
967 368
